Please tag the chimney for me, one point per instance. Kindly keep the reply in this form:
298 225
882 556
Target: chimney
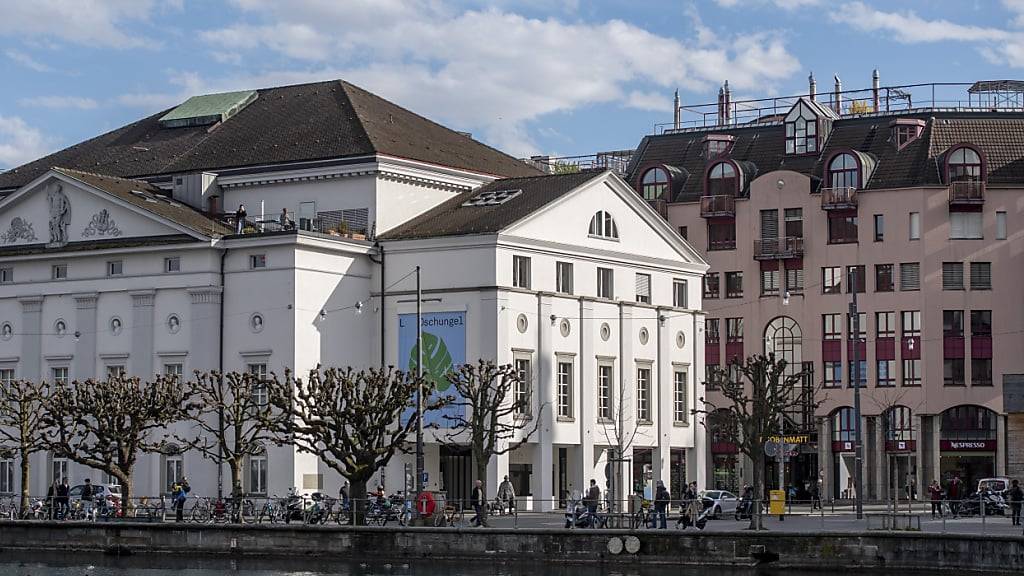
721 106
812 87
676 111
875 81
839 96
728 103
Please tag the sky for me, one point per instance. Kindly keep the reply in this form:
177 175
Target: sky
558 77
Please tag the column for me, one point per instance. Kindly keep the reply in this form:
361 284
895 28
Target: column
922 478
936 445
543 453
882 481
31 331
84 365
142 333
204 328
1001 445
493 310
825 457
663 388
701 467
623 411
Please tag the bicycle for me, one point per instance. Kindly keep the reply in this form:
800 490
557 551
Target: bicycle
151 510
450 516
269 511
201 511
642 517
8 509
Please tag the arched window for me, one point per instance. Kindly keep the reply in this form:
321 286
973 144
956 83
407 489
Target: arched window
603 225
968 423
843 425
654 183
722 180
844 171
964 164
899 424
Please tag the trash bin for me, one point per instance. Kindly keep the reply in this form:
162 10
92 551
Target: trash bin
777 502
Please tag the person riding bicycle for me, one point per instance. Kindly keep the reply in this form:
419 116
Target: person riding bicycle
506 495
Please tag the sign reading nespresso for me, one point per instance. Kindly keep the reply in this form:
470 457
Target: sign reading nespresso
968 445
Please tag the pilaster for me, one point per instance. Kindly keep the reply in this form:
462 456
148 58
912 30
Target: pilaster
86 328
204 328
543 454
142 333
31 331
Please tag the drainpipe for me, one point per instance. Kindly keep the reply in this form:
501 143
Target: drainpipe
220 379
812 87
838 95
875 82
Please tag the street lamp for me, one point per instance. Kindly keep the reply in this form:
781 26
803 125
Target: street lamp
858 444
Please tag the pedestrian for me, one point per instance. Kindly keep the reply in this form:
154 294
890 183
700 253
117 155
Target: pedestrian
179 493
87 492
592 499
286 221
479 502
661 500
240 219
506 495
1016 498
815 496
954 493
935 493
51 500
62 498
343 496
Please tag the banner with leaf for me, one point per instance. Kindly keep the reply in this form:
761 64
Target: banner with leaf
444 349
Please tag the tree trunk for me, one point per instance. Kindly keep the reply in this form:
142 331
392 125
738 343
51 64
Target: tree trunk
481 474
755 511
25 475
358 498
236 476
126 496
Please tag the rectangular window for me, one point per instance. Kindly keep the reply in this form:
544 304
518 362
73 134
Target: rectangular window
521 272
911 372
643 288
910 276
60 375
6 376
643 394
604 391
911 321
259 391
769 224
885 324
6 275
115 267
733 330
952 323
680 401
59 271
883 278
855 279
605 283
842 229
862 372
981 372
862 326
833 375
879 227
952 275
795 280
965 226
172 264
6 476
679 299
174 470
712 287
794 222
721 235
734 284
915 225
115 371
59 471
770 282
831 327
981 323
953 371
711 333
981 275
524 384
684 232
886 375
563 277
831 280
173 369
565 376
257 261
1000 225
258 474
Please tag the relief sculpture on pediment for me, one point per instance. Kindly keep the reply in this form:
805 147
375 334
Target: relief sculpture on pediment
20 230
101 225
60 214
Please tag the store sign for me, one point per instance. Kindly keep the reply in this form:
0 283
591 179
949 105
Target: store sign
793 439
900 445
842 446
444 349
968 445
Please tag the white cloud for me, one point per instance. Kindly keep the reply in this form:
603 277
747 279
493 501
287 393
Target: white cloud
490 70
58 102
784 4
654 101
26 60
85 22
148 102
21 143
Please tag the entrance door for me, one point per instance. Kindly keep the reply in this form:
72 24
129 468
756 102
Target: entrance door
902 476
456 472
969 467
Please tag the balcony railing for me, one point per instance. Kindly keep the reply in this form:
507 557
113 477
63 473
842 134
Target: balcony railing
717 206
350 223
967 193
660 206
840 198
778 248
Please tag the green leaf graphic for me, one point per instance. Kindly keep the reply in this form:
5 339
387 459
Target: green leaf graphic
437 362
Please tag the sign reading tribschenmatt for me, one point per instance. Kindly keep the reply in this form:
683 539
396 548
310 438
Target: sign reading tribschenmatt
444 349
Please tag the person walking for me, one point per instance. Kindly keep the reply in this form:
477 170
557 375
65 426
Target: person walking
343 496
63 490
51 501
954 493
87 494
816 496
661 500
240 219
285 220
506 495
1016 497
935 493
479 502
592 499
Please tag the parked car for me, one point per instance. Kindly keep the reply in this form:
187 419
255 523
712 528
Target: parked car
997 485
723 502
111 491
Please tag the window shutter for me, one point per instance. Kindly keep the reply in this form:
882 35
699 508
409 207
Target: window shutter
981 275
956 225
910 276
643 285
952 276
973 224
769 224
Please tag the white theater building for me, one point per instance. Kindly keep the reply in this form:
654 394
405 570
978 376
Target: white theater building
115 256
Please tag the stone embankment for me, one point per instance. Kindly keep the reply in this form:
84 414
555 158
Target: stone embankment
892 551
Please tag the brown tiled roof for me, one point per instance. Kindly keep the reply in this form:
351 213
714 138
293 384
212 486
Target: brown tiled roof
307 122
150 199
453 219
1000 137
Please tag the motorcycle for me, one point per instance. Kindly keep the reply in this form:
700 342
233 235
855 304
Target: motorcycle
744 508
578 516
995 504
320 511
707 505
294 507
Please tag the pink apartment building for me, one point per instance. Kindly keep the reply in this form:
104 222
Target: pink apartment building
796 203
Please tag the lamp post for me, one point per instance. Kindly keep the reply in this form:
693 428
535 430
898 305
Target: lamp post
419 384
858 445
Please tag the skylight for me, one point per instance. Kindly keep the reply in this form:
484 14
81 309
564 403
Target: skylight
492 197
208 109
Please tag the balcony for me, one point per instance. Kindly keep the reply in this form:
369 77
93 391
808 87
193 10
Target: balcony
660 206
778 248
967 193
841 198
718 206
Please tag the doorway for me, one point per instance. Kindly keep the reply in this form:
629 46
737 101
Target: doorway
456 471
903 476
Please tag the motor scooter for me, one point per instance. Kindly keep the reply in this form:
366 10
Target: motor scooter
685 521
578 516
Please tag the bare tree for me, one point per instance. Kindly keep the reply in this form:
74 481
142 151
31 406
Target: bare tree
232 419
22 413
106 424
757 403
489 416
889 401
354 421
620 432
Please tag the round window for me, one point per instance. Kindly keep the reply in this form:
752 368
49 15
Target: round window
644 336
60 328
256 323
7 331
564 327
680 339
522 323
116 325
173 323
606 332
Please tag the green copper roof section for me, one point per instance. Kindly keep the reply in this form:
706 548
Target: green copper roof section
208 109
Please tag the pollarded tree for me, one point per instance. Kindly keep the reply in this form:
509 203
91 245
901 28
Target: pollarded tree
232 419
488 414
354 421
757 405
22 414
106 424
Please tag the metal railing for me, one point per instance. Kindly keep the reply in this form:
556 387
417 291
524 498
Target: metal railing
967 192
778 248
840 198
615 160
717 206
349 223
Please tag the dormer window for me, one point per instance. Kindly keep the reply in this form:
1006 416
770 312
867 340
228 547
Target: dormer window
964 164
654 183
808 125
722 180
602 225
905 131
844 171
716 145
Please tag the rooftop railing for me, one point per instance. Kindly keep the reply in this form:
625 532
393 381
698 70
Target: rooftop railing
615 160
348 223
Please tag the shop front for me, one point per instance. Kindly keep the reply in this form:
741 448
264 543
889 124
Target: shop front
967 445
900 453
843 453
725 455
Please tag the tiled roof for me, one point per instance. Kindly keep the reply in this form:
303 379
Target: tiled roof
319 121
999 136
453 219
150 199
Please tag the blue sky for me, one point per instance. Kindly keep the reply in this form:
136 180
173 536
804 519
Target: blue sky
556 77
